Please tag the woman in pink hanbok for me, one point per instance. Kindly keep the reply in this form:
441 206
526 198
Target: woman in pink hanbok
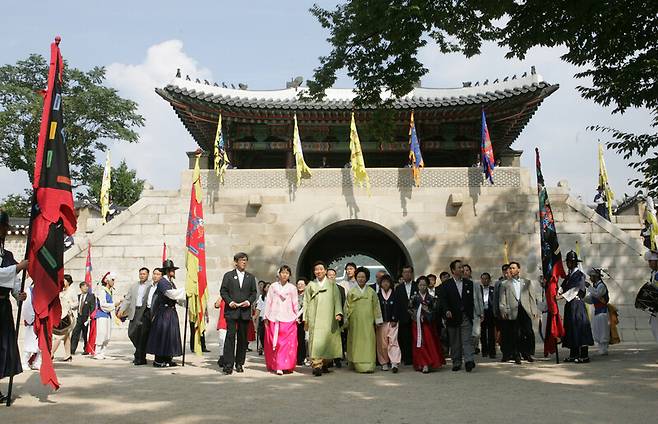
281 308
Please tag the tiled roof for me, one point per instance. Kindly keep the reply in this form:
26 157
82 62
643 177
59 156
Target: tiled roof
338 98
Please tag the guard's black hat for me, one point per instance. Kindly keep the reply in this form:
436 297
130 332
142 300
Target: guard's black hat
167 265
572 256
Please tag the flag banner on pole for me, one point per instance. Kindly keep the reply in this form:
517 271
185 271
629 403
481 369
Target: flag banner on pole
105 188
356 158
603 182
552 267
303 171
88 267
221 161
164 251
652 222
53 216
488 162
415 156
506 252
195 260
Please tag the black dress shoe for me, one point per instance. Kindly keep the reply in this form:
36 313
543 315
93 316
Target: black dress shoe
205 350
140 362
457 367
172 364
338 363
228 370
469 366
529 358
569 359
69 359
3 398
159 364
505 359
238 368
325 370
517 360
317 372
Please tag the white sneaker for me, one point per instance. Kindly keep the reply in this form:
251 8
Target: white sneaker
385 367
279 372
99 356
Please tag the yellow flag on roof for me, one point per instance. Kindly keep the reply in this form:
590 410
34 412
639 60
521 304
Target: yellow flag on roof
303 171
356 158
221 158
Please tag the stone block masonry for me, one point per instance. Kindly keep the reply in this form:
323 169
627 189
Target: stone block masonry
431 229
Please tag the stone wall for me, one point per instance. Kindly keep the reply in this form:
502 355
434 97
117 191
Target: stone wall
453 214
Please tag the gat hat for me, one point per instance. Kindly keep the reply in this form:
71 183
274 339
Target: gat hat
4 218
572 256
168 264
594 271
651 255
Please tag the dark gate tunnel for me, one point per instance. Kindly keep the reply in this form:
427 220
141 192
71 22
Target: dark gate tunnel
353 237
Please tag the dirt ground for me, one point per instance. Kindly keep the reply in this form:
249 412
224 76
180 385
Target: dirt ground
622 387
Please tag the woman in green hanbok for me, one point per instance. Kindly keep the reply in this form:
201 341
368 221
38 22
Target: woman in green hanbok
362 313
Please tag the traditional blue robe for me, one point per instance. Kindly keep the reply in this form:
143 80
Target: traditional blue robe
164 339
577 328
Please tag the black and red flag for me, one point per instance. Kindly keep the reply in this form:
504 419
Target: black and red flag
53 215
551 260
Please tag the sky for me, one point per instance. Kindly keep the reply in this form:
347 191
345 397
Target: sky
264 44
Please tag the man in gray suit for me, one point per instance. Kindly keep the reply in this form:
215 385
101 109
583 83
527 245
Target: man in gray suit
518 307
135 309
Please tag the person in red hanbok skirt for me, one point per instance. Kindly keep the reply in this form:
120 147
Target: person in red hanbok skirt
427 353
280 322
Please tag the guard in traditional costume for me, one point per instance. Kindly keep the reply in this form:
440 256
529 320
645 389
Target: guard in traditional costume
164 339
597 295
104 308
10 360
578 331
601 203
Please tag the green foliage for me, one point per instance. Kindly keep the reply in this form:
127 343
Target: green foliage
16 205
377 42
93 114
125 187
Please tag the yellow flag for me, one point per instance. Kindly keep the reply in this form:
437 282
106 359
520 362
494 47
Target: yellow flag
105 188
221 158
506 252
303 171
603 181
356 158
650 217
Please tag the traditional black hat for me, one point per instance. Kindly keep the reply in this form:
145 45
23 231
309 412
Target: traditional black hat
167 265
4 218
572 256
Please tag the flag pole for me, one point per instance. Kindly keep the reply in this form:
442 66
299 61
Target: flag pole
187 311
20 302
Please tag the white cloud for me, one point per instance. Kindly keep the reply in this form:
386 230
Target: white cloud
559 127
159 157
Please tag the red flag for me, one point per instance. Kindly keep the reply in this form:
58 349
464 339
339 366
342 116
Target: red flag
53 216
486 150
164 252
552 267
88 267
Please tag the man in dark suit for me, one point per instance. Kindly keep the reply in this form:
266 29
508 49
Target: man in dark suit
239 293
457 304
488 325
401 295
86 305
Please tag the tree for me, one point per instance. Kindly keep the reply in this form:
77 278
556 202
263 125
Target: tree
377 41
125 187
93 114
16 206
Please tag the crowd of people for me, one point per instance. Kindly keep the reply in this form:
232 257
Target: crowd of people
361 322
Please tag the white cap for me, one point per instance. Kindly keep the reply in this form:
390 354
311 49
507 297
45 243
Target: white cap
112 276
651 256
